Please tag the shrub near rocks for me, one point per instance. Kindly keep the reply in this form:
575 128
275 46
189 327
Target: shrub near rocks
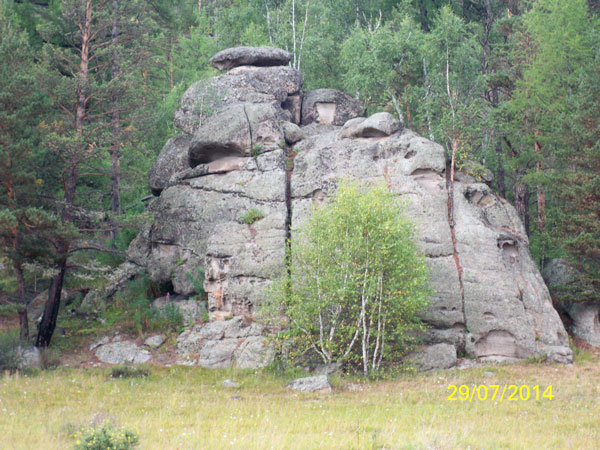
356 280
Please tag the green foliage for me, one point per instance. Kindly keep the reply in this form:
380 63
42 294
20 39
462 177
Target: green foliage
105 437
147 318
197 280
124 371
256 150
10 345
356 281
251 216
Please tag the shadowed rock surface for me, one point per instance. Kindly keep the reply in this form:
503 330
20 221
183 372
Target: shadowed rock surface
489 299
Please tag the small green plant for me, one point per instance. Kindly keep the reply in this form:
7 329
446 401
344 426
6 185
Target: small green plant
10 345
251 216
197 280
105 437
256 150
123 371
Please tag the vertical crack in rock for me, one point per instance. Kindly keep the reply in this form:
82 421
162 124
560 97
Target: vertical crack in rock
249 128
289 169
451 224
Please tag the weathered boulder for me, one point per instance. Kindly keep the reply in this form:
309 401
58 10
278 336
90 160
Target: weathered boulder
250 56
173 158
292 133
275 85
29 358
438 356
231 212
198 224
576 297
378 125
586 321
329 107
221 344
121 352
155 341
318 383
487 247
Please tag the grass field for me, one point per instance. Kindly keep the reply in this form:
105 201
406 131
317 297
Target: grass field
187 408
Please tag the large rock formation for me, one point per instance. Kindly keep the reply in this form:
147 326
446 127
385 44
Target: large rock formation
228 208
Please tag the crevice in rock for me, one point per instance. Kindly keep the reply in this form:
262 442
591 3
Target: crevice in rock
289 169
451 224
249 128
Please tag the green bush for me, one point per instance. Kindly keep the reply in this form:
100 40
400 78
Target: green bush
9 349
252 215
355 282
123 371
105 437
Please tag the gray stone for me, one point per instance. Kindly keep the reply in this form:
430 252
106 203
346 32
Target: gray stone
329 107
251 56
238 121
102 341
328 369
155 341
29 358
513 321
319 383
279 86
439 356
35 308
238 130
586 322
292 133
173 158
378 125
222 344
122 352
230 383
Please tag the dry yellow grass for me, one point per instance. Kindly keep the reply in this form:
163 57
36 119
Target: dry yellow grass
186 408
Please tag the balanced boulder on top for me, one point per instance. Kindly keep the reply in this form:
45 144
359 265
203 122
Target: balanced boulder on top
250 56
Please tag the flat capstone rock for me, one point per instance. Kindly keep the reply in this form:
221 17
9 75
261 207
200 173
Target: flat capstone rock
250 56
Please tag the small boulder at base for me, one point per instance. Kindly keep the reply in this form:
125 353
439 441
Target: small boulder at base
329 107
438 356
250 56
319 383
230 383
29 358
121 352
155 341
586 322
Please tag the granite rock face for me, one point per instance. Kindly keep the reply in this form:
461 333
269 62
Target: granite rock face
490 300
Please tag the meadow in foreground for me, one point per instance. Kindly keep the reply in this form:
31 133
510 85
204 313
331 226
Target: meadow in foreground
188 408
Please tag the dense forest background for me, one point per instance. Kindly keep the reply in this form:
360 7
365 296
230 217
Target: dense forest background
88 89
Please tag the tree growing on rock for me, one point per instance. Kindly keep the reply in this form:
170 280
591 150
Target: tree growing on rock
356 280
